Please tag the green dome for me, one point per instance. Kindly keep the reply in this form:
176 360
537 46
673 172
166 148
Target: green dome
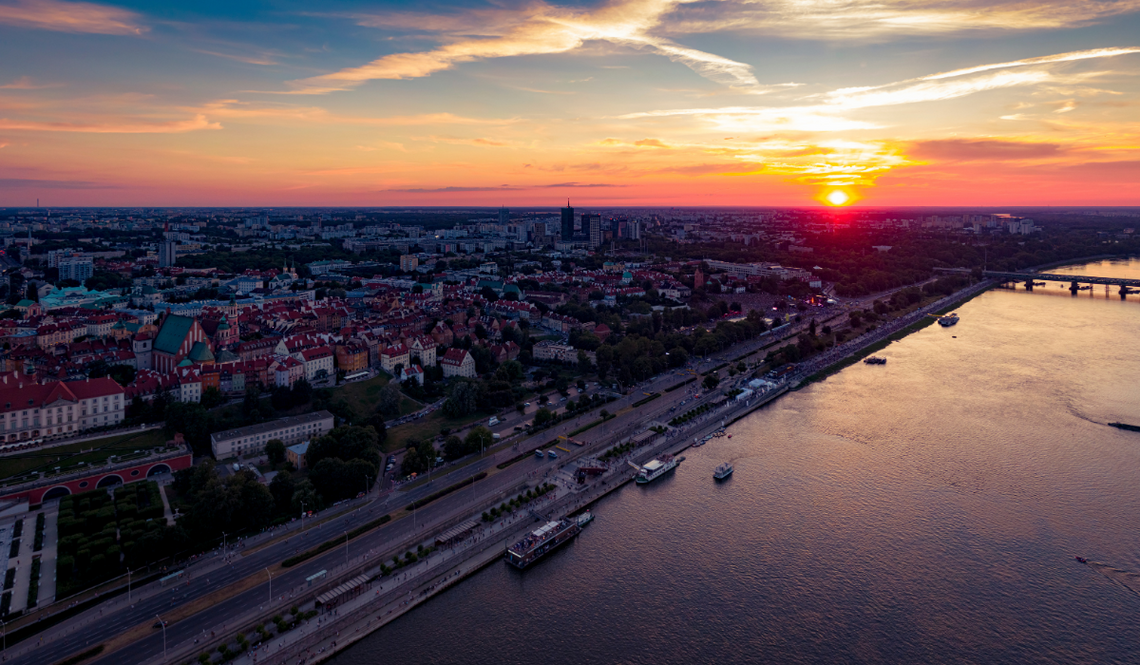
200 353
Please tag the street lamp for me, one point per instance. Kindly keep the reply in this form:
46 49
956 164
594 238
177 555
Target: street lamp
128 585
163 624
302 516
270 585
346 549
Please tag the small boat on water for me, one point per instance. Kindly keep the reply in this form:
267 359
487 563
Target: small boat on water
875 360
585 518
723 471
948 320
1081 559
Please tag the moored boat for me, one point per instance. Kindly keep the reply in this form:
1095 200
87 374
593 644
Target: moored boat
541 541
655 468
723 471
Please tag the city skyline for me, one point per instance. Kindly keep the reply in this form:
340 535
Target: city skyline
635 102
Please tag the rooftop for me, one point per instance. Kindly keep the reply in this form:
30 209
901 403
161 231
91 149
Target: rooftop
271 426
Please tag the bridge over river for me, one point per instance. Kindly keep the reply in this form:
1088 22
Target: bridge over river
1074 281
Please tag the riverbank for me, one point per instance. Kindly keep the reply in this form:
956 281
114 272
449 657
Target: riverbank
355 621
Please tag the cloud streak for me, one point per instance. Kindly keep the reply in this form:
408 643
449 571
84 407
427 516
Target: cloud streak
172 127
541 29
78 17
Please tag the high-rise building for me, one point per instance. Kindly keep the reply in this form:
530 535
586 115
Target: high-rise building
567 223
168 250
592 224
78 268
633 230
505 216
409 262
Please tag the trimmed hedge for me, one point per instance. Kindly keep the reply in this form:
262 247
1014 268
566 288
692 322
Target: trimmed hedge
445 491
680 385
640 402
335 542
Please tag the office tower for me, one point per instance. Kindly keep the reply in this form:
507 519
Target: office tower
168 250
633 230
505 216
567 223
592 224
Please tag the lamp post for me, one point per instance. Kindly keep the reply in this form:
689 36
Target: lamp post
302 516
346 549
128 585
163 624
270 585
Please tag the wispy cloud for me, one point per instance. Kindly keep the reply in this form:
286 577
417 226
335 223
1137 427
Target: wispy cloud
172 127
829 112
82 17
506 188
847 20
34 183
248 59
539 29
26 83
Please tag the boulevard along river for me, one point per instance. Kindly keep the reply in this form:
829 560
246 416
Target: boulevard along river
927 510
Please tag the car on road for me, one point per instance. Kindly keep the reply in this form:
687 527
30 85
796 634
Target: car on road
160 624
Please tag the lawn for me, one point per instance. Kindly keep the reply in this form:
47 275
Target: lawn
71 454
427 428
363 396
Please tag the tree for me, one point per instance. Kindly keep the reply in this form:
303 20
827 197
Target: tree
306 498
191 420
275 451
346 443
542 417
678 357
388 400
711 382
812 325
454 448
479 438
418 457
212 397
282 487
463 400
302 392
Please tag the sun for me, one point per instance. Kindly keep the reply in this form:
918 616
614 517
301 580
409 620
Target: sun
837 197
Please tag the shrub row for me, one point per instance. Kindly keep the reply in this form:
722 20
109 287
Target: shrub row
34 585
38 543
519 501
329 544
587 426
445 491
689 415
650 398
408 559
680 385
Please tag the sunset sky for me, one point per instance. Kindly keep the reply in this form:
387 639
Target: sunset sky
630 102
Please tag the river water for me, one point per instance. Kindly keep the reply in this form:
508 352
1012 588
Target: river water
923 511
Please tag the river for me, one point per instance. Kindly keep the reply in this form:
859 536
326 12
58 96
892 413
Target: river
923 511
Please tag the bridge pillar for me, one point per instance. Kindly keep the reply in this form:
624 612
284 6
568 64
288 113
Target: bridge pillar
1123 291
1074 288
1029 284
